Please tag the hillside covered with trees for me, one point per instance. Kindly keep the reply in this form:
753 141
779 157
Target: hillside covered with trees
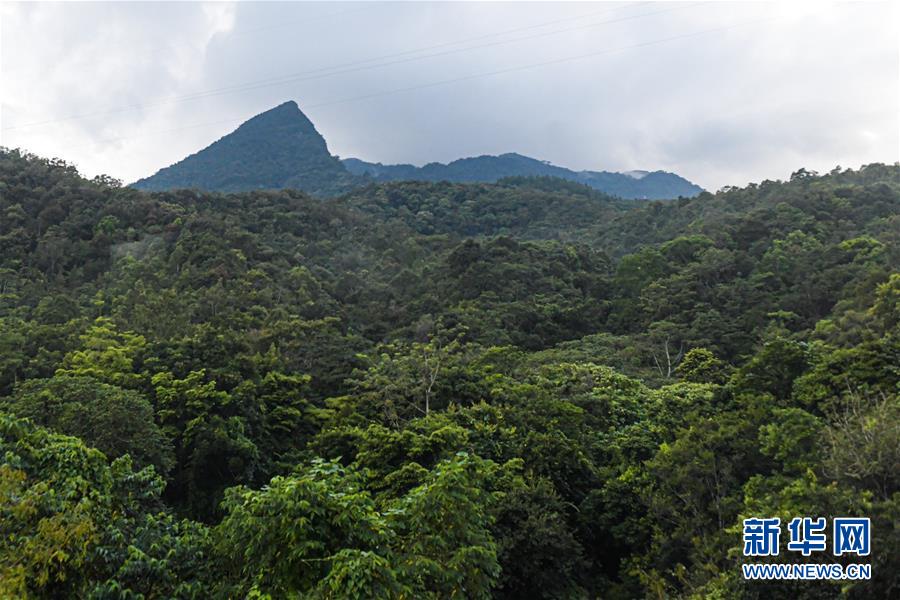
522 389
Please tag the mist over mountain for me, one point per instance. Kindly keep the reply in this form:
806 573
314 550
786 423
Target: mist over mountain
281 149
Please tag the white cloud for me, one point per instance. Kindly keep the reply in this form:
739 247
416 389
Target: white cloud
813 85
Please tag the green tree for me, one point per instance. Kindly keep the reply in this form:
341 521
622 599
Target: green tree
63 509
773 369
319 532
106 355
210 437
701 366
116 421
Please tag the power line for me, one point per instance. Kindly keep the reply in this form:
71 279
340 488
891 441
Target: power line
477 38
470 77
541 64
310 75
323 72
305 20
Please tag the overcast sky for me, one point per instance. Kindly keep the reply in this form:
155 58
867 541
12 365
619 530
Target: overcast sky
722 93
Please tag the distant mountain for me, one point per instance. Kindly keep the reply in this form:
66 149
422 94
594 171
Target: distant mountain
281 148
277 149
633 184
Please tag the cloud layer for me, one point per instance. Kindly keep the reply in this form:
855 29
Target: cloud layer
722 93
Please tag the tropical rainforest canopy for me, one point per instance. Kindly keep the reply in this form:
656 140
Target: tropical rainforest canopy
525 389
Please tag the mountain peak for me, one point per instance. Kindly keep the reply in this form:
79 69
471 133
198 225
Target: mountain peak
278 148
285 108
286 114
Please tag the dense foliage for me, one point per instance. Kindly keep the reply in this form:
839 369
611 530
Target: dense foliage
432 390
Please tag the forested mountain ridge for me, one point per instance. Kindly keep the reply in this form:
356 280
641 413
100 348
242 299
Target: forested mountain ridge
520 389
656 185
281 149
